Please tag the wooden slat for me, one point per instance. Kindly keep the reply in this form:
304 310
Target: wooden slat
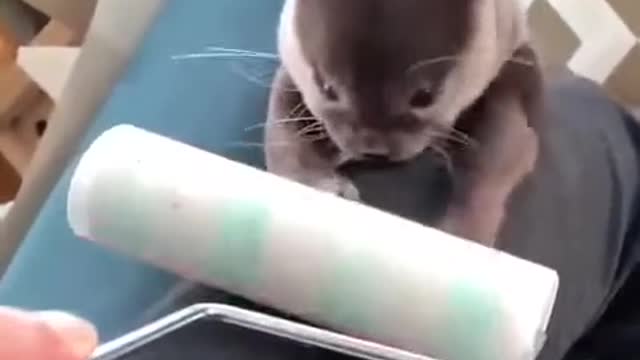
48 66
8 46
75 14
55 33
9 180
19 142
17 90
624 82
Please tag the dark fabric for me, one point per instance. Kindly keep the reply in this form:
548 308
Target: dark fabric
578 215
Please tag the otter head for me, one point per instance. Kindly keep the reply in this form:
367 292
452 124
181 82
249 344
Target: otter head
389 78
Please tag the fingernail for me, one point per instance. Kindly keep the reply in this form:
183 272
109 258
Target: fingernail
78 334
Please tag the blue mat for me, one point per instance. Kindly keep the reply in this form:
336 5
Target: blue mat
204 102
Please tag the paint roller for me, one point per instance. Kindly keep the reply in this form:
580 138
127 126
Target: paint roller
334 262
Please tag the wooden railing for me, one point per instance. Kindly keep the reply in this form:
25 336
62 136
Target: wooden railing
24 106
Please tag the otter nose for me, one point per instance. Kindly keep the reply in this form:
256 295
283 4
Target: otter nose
375 147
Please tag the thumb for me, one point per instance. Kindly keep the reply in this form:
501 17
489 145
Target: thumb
76 335
45 335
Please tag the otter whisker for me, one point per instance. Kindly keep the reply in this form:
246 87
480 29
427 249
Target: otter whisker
217 56
245 144
228 53
453 139
462 138
222 52
298 110
316 138
241 52
261 145
295 119
433 61
521 61
453 134
257 80
261 125
278 122
311 129
251 77
444 155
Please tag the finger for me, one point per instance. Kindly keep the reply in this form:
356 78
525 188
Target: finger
77 335
48 335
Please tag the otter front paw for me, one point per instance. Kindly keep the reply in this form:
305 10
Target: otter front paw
338 185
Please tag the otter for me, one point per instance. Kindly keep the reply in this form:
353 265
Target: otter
377 80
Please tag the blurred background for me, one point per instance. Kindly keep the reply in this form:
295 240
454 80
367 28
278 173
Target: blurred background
595 38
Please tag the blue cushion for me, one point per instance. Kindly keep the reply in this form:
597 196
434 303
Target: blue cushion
203 102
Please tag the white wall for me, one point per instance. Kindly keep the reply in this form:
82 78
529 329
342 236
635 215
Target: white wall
606 42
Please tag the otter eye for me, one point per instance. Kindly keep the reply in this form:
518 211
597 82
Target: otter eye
329 92
421 99
327 89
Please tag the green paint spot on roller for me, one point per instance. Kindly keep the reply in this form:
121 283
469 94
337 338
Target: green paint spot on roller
473 322
349 293
238 246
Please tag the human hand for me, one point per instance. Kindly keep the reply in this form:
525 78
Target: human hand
44 336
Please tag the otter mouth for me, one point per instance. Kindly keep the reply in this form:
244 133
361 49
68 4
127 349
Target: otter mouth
364 165
346 158
425 164
378 162
346 161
